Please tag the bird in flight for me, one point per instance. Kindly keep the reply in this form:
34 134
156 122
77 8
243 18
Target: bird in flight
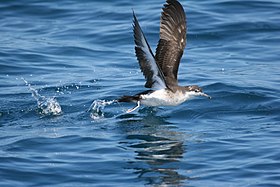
160 70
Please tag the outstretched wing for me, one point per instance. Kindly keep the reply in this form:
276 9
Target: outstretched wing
150 68
172 41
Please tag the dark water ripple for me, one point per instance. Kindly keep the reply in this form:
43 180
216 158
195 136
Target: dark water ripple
80 52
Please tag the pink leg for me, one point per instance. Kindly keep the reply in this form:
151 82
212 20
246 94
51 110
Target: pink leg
134 108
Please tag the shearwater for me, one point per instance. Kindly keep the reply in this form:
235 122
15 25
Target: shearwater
161 69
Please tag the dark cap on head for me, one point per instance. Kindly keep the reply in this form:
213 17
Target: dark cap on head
194 88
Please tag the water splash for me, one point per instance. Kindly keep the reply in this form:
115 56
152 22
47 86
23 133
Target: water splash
47 105
96 109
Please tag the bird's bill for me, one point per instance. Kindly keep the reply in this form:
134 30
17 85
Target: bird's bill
205 95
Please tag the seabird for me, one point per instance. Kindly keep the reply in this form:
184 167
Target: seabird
160 70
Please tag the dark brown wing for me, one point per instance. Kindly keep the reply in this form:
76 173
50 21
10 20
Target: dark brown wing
151 70
172 41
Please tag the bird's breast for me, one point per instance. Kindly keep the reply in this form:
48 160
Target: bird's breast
163 97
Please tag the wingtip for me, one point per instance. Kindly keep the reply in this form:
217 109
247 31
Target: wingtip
134 16
174 3
133 13
171 1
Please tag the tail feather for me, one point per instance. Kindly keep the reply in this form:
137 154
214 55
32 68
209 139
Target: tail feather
134 98
127 98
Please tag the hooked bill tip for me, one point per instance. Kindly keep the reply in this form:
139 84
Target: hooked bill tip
205 95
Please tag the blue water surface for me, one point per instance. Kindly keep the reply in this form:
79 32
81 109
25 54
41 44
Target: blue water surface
69 54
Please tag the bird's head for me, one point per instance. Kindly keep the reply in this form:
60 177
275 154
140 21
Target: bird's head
195 90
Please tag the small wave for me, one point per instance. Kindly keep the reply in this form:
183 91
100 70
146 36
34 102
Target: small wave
46 105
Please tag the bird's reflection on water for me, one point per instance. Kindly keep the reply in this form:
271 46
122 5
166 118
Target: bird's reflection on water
158 148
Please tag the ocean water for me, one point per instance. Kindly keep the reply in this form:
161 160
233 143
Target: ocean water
62 63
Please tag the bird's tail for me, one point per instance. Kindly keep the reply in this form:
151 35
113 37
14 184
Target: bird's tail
127 98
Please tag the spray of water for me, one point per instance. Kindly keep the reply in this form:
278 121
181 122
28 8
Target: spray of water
96 109
47 105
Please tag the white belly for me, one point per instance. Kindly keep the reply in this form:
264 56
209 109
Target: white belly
164 98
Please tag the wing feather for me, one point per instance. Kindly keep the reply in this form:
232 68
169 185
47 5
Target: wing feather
153 74
172 40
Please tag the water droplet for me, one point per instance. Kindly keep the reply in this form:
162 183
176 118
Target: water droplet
97 107
47 105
